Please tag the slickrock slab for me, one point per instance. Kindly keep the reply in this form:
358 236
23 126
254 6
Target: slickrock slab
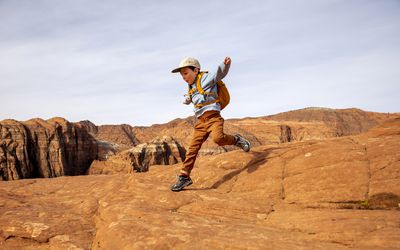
333 194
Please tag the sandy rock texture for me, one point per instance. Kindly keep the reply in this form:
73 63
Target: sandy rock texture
44 148
338 193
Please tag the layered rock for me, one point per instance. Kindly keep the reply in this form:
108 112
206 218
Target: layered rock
297 125
343 121
339 193
121 135
39 148
160 151
111 139
31 149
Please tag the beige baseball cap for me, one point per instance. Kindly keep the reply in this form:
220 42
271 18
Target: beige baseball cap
186 62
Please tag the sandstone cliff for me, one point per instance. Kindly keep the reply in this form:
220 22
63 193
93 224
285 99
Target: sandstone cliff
338 193
122 135
39 148
160 151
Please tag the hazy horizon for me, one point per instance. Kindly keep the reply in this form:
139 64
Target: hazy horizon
110 62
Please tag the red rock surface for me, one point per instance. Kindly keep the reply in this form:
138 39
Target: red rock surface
338 193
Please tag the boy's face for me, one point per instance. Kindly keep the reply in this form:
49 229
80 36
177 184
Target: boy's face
188 74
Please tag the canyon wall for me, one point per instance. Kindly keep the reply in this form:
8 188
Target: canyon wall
44 148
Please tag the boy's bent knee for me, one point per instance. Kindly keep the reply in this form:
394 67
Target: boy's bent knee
220 140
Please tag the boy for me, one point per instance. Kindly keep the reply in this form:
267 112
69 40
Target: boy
207 111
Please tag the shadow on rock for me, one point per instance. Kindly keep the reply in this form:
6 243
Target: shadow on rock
384 201
259 158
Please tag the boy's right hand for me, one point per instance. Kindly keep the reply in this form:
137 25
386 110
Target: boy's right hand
187 100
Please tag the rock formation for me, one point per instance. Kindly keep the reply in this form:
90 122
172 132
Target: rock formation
343 121
297 125
121 135
337 193
160 151
55 147
39 148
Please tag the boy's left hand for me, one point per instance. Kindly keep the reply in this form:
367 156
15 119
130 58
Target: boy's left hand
227 60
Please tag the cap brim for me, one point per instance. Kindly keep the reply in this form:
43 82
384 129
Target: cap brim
176 70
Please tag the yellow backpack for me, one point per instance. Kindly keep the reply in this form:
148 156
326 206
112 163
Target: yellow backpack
223 93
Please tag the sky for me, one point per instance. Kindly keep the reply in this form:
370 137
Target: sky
110 62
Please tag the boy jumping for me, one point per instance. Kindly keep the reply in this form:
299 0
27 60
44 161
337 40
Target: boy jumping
207 110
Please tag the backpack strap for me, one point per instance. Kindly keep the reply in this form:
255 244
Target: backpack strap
205 104
201 91
198 86
198 83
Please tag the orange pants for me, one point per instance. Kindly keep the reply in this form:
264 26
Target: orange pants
212 123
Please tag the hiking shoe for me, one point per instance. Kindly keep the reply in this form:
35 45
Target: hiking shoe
183 181
242 143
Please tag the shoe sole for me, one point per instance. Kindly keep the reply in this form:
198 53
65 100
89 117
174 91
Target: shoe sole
186 185
249 146
247 142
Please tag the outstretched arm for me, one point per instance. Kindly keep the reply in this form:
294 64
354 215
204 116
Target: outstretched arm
222 71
